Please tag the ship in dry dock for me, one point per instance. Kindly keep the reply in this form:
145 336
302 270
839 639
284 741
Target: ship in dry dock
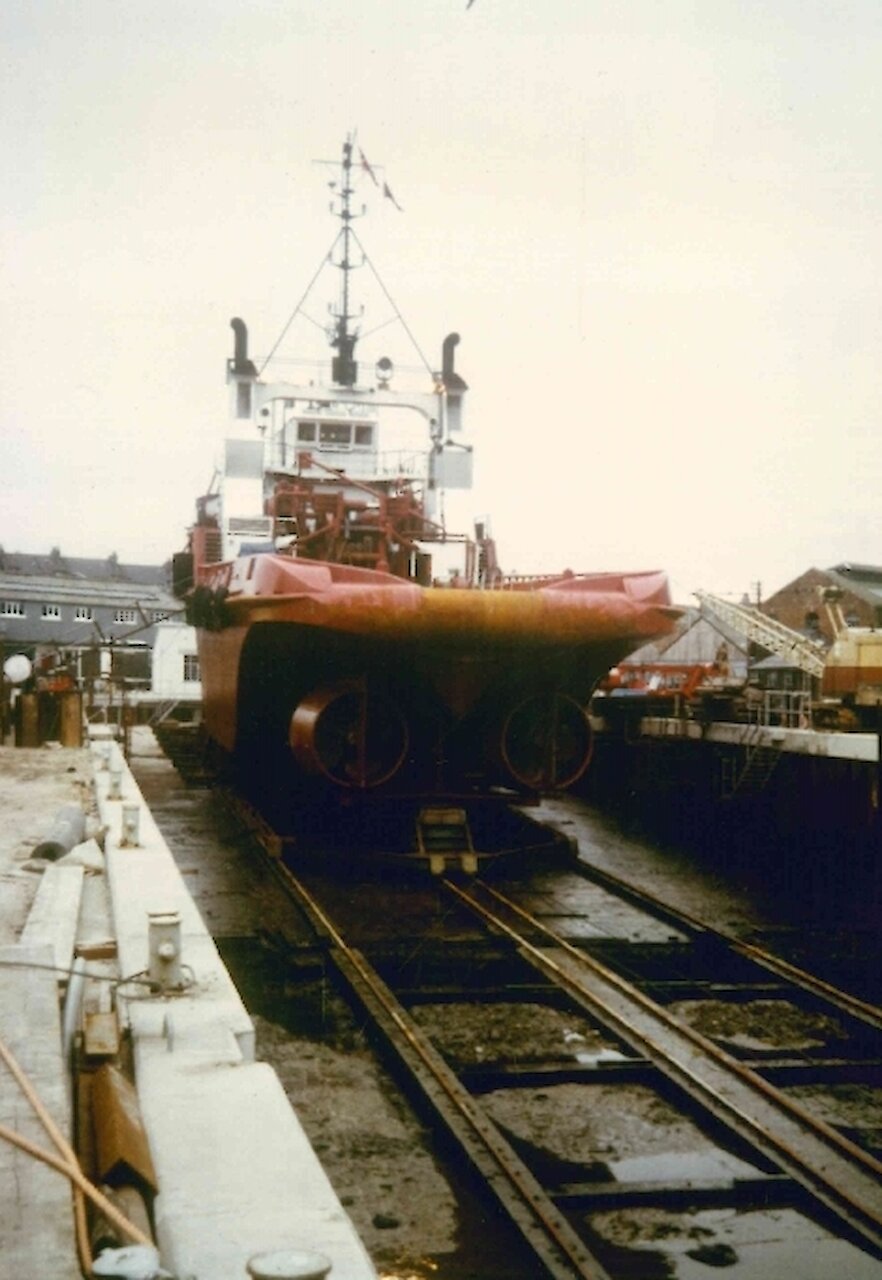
350 642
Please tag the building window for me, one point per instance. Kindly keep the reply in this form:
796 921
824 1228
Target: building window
191 666
51 611
12 609
125 615
83 613
158 616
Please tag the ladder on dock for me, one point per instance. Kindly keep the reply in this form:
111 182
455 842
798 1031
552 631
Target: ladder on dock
754 774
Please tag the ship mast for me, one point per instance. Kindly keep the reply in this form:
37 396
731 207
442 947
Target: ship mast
344 368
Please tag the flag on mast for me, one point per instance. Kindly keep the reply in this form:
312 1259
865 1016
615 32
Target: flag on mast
367 168
389 196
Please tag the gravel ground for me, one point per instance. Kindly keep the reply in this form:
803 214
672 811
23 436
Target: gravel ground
375 1151
760 1024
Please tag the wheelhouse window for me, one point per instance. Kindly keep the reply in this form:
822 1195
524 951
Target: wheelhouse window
336 434
51 611
364 435
12 609
306 432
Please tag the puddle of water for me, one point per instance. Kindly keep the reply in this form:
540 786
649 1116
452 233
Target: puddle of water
681 1166
593 1059
747 1245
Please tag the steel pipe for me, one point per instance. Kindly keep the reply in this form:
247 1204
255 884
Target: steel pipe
68 829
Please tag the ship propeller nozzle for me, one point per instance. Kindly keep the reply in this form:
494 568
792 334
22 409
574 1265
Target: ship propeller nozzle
350 734
546 742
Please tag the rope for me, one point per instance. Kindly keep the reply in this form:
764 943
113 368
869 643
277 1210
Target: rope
392 303
303 298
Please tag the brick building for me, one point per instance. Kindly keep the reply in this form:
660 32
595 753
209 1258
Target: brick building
800 604
93 618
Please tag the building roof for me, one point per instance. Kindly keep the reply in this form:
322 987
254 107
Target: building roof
864 580
77 568
105 587
59 589
694 617
774 662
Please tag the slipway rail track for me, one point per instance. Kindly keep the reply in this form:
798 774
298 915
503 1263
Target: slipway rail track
542 1225
725 945
840 1175
506 952
801 1161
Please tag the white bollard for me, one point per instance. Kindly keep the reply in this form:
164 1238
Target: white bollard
131 820
164 947
113 791
288 1264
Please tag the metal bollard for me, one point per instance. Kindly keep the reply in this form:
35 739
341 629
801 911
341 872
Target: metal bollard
131 821
288 1264
164 946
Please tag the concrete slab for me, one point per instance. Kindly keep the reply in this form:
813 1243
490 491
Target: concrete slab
144 879
806 742
36 1224
237 1175
55 913
246 1180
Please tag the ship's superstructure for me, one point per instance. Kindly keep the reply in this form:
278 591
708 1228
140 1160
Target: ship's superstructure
348 640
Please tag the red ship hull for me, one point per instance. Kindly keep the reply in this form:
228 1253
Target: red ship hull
357 679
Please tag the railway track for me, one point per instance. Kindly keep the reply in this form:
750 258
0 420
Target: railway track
796 1158
834 1170
540 942
720 946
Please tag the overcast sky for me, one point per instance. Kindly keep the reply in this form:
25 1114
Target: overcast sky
655 225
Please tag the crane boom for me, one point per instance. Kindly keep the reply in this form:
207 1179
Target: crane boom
771 634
